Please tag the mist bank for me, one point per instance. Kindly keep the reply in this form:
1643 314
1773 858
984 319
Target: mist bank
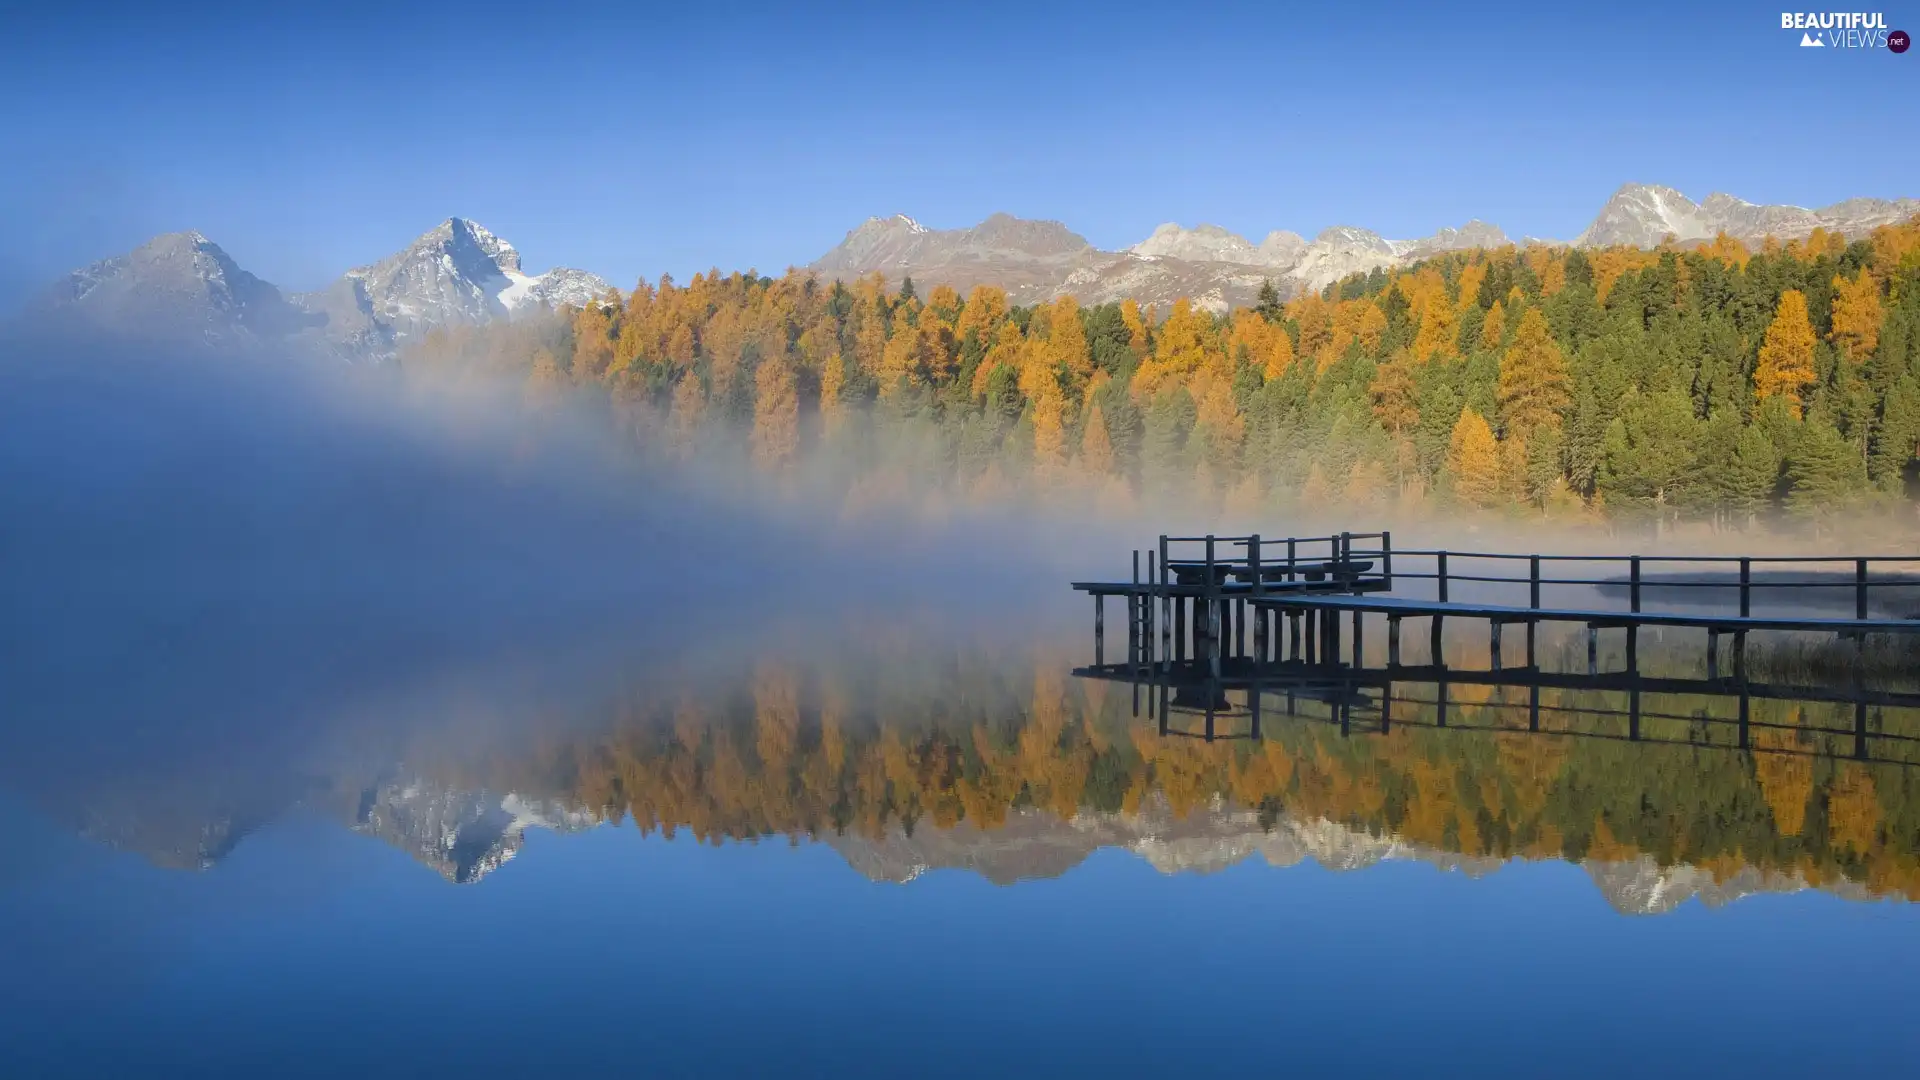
233 549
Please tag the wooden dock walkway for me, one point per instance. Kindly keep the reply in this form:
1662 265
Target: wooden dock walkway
1214 598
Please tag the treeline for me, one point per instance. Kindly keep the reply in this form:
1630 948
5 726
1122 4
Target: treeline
1710 382
815 752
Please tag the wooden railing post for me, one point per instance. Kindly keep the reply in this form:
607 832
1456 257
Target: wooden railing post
1259 590
1746 586
1386 559
1633 588
1860 588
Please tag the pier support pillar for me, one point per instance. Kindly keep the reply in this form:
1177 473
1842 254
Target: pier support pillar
1099 629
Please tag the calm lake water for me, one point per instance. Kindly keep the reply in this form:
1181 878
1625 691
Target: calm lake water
931 850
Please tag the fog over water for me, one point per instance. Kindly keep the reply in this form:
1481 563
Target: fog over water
235 553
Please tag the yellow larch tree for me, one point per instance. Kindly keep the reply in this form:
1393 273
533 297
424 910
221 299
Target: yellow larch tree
1786 369
1139 338
776 414
1096 445
1856 316
1266 344
985 310
1436 333
1185 344
833 380
1474 459
1534 387
1493 330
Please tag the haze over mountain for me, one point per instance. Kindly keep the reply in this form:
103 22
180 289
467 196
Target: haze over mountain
182 286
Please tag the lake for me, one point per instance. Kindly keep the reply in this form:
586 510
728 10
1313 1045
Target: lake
903 845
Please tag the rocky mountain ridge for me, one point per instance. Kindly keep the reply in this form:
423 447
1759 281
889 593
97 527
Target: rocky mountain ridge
184 288
1218 269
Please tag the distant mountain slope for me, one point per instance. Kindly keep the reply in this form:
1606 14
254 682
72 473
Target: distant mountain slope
1641 215
182 287
457 274
179 288
1213 267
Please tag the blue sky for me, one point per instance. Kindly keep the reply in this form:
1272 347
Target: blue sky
629 140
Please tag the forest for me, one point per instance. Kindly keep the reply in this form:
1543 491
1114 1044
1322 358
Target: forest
1707 383
973 735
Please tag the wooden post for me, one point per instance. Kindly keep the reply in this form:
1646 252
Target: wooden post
1259 590
1533 707
1633 650
1134 629
1393 642
1493 641
1713 655
1439 620
1860 612
1359 653
1386 559
1634 582
1534 624
1179 629
1099 629
1210 588
1593 649
1746 587
1293 547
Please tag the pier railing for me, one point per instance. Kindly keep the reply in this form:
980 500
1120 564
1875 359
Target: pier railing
1742 577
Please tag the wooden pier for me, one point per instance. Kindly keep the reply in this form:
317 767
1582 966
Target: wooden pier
1212 613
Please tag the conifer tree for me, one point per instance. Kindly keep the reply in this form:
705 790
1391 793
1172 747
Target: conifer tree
1474 460
1096 447
1533 378
1824 472
1856 316
776 414
1786 367
1753 474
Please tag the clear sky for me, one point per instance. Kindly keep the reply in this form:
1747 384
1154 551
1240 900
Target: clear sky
628 139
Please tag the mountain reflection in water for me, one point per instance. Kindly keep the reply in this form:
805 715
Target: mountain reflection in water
997 762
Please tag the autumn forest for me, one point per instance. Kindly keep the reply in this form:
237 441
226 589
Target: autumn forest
1708 382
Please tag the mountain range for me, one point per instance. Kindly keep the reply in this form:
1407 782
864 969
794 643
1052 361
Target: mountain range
182 286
